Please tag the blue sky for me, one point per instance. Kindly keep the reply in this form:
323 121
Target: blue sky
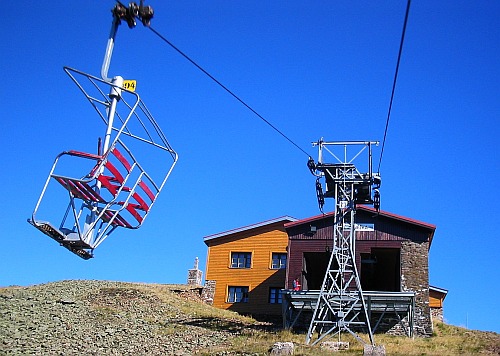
313 69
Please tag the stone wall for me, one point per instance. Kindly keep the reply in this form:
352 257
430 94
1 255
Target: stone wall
415 277
208 292
437 314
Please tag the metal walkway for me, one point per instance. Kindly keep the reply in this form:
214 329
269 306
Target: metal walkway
380 306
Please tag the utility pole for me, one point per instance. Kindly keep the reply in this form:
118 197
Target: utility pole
340 306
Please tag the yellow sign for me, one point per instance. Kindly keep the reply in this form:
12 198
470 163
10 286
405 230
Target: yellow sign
129 85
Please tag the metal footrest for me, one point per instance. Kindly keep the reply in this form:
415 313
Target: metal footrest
76 246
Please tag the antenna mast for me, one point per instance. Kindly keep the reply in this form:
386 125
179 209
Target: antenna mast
340 305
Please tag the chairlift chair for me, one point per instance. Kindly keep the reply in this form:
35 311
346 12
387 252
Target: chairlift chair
120 188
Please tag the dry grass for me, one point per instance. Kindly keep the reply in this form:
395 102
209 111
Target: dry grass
252 337
447 340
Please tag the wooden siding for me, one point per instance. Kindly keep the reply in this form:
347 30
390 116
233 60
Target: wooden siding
387 233
261 242
385 229
436 299
296 257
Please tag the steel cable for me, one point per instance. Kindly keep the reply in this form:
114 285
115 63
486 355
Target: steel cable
226 89
394 83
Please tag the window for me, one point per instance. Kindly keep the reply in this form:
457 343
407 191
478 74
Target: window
241 259
279 260
275 295
237 294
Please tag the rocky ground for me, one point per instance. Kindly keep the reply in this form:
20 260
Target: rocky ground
106 318
117 318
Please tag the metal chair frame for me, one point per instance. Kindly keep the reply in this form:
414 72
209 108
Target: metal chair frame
118 191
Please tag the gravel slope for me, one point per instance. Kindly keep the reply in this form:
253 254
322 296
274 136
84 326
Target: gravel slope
104 318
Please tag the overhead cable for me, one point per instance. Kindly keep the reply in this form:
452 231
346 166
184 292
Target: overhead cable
394 82
227 90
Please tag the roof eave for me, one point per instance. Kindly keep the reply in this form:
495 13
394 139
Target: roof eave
249 227
398 217
439 290
308 220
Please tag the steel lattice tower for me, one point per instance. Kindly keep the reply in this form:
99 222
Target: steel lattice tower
340 306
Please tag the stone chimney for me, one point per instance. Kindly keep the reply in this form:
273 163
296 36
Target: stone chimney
194 275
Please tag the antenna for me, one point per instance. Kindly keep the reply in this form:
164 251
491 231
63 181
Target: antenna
340 306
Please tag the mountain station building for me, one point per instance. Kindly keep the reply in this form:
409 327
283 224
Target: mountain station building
276 268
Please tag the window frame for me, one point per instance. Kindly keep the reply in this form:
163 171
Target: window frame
275 295
232 293
246 258
281 266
